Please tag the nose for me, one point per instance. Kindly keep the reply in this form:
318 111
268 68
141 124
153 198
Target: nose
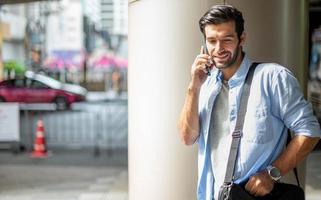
218 47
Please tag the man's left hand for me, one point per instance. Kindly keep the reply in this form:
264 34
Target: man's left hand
260 184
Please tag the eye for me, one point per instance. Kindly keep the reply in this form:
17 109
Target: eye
211 41
227 41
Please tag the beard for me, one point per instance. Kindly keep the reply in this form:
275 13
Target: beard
230 61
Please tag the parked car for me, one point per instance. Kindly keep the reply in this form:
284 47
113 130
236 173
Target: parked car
38 88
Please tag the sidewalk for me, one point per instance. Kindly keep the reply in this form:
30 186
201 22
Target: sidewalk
78 175
67 175
313 179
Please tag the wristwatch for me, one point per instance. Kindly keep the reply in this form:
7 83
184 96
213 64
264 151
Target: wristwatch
274 173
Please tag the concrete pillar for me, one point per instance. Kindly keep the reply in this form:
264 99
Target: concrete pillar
163 41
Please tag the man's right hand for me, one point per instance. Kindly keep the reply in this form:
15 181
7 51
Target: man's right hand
198 71
188 122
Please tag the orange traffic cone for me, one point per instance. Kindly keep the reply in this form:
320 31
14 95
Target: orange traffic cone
39 147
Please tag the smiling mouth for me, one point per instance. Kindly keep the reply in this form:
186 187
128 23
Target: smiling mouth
222 57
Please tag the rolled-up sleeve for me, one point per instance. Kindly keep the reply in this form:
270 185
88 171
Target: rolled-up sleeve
291 107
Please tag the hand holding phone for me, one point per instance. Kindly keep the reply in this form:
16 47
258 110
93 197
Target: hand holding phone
200 69
210 65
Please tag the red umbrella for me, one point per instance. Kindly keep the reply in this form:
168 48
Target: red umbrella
104 61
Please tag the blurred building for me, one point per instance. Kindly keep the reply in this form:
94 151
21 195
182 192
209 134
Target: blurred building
107 10
13 33
71 35
58 37
114 20
92 23
12 39
65 39
91 9
114 16
64 29
35 35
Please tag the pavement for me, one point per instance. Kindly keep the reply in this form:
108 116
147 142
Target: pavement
313 178
65 175
80 175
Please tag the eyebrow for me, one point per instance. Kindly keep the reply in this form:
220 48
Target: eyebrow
224 36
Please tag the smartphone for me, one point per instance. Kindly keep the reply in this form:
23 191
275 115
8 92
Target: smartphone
208 66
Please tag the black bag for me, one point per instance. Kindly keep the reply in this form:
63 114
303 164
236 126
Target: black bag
281 191
231 191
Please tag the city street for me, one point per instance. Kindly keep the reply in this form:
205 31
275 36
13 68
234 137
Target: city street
87 154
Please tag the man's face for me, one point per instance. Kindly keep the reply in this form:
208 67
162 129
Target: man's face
223 44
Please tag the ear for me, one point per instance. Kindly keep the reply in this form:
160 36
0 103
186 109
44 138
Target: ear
242 39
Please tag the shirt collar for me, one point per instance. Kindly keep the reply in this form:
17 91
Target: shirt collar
239 75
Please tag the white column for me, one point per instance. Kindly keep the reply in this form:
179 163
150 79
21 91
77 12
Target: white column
164 39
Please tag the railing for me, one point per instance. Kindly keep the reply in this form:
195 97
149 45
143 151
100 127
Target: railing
99 126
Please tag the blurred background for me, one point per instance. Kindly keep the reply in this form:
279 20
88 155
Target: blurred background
63 121
65 111
82 42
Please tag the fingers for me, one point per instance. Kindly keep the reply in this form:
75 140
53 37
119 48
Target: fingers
205 56
259 185
202 50
201 64
201 60
252 187
250 184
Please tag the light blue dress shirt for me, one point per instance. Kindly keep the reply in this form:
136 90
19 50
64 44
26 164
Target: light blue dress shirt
275 104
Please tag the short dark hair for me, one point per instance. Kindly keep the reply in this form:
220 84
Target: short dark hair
219 14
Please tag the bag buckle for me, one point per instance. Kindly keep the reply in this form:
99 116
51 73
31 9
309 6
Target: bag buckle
225 189
237 134
227 184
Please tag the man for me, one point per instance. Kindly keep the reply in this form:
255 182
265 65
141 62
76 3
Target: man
210 109
35 62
